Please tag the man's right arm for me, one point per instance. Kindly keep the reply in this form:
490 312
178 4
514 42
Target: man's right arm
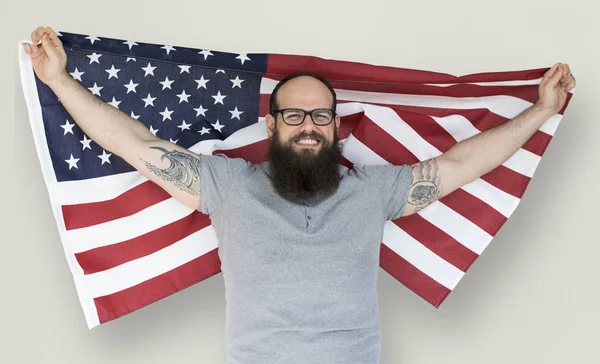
173 168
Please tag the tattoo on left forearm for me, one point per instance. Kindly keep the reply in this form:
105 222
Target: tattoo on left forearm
426 187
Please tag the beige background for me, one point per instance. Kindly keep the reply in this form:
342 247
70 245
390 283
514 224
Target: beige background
531 298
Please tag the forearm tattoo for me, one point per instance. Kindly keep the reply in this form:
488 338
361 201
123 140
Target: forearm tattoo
426 187
183 172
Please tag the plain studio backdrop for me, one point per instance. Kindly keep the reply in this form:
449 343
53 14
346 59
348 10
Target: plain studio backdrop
530 298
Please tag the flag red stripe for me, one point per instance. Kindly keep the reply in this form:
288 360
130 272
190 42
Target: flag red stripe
280 65
114 305
110 256
126 204
474 210
415 280
507 180
436 240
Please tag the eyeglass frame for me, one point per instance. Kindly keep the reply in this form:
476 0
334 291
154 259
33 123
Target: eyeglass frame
305 112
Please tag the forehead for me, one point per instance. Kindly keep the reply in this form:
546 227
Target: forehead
304 92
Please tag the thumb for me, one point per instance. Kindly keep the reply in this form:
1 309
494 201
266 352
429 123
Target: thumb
556 76
49 48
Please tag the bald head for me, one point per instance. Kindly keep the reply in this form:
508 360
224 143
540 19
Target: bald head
301 90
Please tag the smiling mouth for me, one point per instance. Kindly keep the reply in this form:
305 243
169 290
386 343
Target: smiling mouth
307 142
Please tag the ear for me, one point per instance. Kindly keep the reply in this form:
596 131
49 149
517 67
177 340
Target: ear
338 119
270 120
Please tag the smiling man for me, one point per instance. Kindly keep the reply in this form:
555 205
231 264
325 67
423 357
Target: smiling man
300 263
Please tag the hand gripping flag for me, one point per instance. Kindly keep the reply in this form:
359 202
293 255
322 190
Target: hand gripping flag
128 243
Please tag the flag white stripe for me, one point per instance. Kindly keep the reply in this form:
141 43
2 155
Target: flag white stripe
536 81
501 201
457 226
145 268
460 128
503 105
358 153
419 256
125 228
523 162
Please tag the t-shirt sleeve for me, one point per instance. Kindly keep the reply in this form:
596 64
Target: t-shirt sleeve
217 175
392 184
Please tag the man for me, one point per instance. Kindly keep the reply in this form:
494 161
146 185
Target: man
300 265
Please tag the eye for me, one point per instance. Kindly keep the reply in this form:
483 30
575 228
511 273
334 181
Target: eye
323 115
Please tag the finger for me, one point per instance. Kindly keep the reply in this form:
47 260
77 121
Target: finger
54 39
36 35
556 77
550 72
49 47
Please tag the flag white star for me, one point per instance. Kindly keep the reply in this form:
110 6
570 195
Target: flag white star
95 89
149 70
200 111
217 126
112 72
114 103
220 70
184 69
105 157
149 100
130 44
236 113
130 58
202 82
166 114
183 97
219 98
58 34
72 162
134 116
243 57
131 86
166 83
86 142
153 131
94 57
204 130
184 126
173 141
168 48
92 38
206 53
68 127
236 82
76 74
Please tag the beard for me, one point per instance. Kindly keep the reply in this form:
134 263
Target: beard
305 175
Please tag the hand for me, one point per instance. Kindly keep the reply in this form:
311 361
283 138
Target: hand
49 60
555 86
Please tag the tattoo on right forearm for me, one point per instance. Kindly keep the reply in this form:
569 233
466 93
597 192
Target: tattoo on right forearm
426 187
184 171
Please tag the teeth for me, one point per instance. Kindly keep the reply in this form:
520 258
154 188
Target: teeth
307 141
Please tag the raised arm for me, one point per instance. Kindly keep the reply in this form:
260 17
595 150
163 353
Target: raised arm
472 158
172 167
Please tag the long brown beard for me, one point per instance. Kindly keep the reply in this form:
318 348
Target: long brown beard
300 177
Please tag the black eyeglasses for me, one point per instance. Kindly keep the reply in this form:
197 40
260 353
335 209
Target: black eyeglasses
295 117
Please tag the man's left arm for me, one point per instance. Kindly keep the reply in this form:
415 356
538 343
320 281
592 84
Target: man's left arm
472 158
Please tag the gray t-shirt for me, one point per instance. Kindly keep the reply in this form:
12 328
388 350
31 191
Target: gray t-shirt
300 279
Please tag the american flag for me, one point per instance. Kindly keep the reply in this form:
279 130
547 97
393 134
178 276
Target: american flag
128 243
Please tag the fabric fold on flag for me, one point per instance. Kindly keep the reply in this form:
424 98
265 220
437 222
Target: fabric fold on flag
128 243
